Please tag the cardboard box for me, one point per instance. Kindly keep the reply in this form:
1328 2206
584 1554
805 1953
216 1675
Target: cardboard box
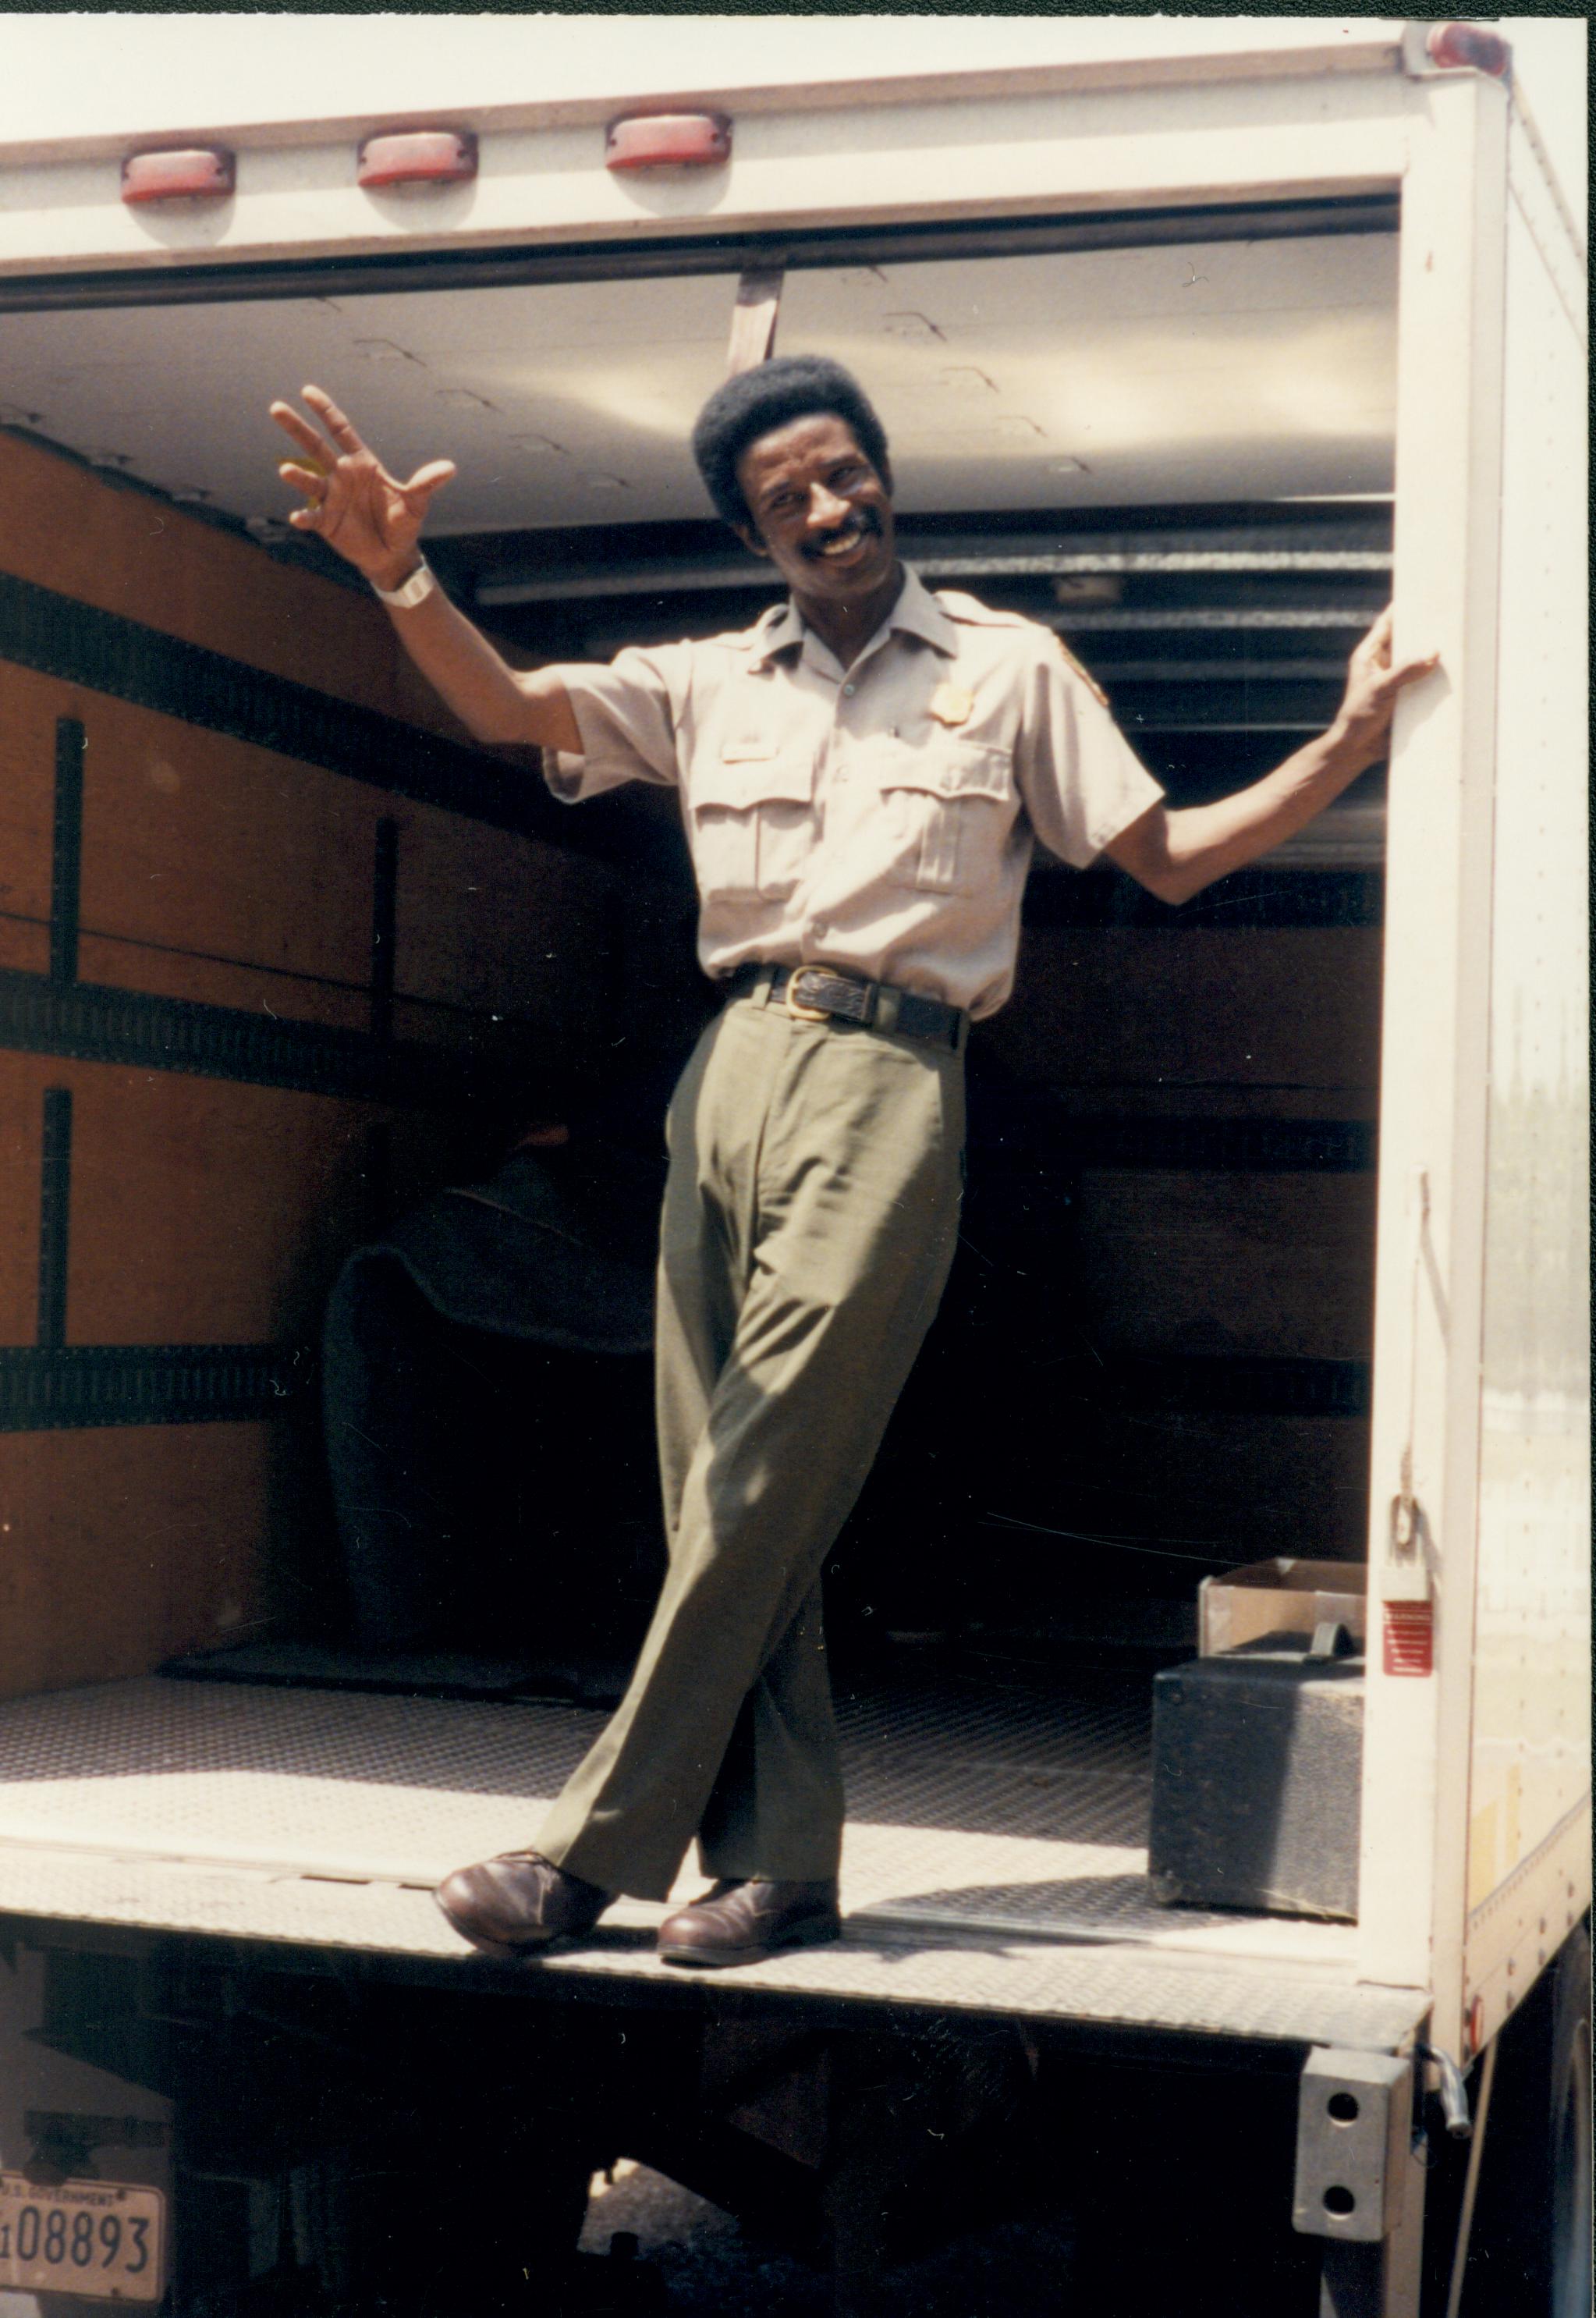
1283 1596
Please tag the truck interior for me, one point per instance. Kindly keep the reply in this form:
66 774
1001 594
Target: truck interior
362 956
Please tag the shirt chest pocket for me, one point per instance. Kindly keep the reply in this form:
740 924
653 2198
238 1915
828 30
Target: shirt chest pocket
948 809
751 812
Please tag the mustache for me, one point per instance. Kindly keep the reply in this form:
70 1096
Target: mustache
864 523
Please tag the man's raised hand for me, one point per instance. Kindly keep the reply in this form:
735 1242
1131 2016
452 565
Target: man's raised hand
1374 682
361 511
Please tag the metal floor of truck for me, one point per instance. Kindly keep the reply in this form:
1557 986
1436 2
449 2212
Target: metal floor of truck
995 1856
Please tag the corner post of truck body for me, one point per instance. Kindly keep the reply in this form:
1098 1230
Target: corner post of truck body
1359 2181
1433 1107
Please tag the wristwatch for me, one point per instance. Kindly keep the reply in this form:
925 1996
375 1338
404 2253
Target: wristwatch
416 590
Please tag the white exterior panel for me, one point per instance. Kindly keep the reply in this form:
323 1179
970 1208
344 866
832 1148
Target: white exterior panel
1424 1458
80 81
1528 1859
1003 155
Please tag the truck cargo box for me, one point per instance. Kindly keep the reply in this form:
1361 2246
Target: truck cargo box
1195 343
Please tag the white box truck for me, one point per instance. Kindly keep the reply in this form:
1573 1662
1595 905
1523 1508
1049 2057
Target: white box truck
1195 340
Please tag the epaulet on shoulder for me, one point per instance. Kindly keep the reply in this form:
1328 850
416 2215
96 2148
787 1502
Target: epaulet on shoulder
1075 668
971 613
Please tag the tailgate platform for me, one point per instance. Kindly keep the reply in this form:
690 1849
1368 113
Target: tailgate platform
995 1857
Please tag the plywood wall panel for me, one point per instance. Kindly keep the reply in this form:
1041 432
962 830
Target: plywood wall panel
29 707
127 551
24 946
194 842
498 923
204 1212
23 1081
121 1546
1216 1263
1210 1487
1296 1006
216 982
198 842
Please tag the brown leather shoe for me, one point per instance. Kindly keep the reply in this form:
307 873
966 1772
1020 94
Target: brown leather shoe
518 1902
742 1922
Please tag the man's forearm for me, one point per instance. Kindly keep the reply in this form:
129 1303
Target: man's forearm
495 702
1205 841
1176 854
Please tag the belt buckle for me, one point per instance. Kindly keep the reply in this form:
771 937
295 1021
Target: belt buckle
795 1005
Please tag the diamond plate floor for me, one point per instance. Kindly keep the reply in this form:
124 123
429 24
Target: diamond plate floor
985 1802
994 1859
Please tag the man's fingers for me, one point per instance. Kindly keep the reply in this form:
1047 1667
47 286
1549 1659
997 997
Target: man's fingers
1373 651
338 426
311 480
1410 672
429 479
315 447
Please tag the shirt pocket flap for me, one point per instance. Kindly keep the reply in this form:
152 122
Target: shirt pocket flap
742 781
950 770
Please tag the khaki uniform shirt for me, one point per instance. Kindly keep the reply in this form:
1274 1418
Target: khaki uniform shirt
881 818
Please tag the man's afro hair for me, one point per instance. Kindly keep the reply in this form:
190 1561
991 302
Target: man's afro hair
756 402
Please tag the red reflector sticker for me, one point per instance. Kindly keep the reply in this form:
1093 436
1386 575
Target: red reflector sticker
1409 1637
669 141
192 176
1468 48
418 157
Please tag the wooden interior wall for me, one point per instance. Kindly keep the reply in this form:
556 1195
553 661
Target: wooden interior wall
339 981
182 1173
1152 1362
1245 1280
122 549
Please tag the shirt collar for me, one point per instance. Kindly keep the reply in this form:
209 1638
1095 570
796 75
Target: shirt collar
916 612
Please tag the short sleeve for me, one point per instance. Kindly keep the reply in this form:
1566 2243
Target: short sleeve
627 715
1081 781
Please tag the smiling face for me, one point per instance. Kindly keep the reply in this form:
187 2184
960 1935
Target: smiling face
823 514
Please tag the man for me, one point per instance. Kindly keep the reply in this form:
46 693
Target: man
862 774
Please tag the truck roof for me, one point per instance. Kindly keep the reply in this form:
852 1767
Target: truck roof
248 76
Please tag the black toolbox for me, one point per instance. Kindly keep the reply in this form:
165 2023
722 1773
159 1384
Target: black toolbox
1257 1764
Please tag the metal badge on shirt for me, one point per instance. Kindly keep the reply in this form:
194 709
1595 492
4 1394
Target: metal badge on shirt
952 704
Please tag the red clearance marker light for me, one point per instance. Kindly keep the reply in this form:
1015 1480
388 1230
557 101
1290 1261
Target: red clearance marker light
1468 47
668 141
197 174
418 157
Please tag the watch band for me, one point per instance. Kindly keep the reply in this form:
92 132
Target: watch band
416 590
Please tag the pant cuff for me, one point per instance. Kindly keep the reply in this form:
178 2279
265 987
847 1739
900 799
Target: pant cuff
743 1867
631 1881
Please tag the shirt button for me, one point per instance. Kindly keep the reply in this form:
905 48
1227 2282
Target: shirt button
849 691
819 928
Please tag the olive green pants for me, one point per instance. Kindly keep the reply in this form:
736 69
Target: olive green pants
810 1213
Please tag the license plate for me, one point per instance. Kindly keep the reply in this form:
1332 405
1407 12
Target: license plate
98 2239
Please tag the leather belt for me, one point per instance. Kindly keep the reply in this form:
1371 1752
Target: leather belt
821 994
